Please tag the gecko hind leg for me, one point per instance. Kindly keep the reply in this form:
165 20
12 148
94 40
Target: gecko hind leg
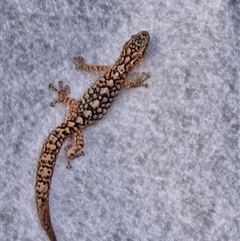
138 80
82 65
62 93
74 151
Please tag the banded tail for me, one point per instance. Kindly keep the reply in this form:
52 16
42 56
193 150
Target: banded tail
45 170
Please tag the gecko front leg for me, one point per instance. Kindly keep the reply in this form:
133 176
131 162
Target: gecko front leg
82 65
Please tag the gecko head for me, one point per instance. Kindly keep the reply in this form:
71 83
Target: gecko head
136 47
140 41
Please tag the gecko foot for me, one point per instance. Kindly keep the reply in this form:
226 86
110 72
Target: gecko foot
138 80
70 158
79 63
72 154
62 92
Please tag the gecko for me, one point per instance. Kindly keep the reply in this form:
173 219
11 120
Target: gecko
93 105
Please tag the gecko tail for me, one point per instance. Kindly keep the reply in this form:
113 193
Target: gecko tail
44 215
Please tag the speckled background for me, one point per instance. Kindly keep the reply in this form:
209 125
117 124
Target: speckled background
163 165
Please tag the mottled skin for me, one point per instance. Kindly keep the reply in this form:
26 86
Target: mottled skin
90 108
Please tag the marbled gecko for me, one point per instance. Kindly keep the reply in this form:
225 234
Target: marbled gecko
84 112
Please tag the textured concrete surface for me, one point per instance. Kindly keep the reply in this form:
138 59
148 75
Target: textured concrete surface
164 162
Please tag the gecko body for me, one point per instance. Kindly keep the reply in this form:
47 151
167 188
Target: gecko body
84 112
